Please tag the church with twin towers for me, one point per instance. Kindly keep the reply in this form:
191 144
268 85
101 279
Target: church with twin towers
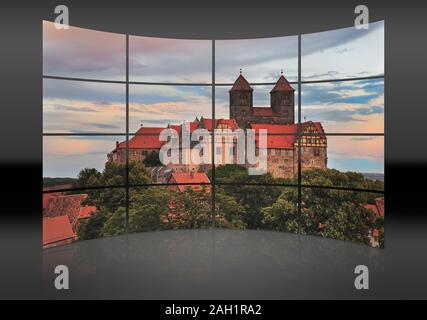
281 110
278 119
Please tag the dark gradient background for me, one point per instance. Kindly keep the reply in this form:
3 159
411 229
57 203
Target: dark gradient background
405 265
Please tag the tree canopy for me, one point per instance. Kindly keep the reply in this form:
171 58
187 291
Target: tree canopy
241 201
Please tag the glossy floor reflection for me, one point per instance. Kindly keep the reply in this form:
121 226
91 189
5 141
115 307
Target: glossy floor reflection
213 264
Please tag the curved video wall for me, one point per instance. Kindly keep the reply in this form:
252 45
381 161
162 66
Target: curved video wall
146 134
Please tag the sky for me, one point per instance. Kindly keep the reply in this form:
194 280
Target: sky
75 107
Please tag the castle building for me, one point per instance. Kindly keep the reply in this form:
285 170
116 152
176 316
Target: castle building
277 119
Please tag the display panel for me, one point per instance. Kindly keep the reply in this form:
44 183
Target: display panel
109 135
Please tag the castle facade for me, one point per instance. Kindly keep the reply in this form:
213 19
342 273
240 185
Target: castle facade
278 119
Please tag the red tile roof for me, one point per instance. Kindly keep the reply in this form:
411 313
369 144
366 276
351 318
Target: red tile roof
231 123
287 141
48 196
276 141
187 177
282 85
380 205
149 139
57 229
86 212
176 127
67 205
276 128
377 208
241 84
150 130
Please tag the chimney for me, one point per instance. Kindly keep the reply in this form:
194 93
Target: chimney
117 144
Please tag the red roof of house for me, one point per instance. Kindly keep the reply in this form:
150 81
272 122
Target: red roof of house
57 229
86 211
263 111
68 205
150 130
48 196
241 84
187 177
175 127
149 136
149 139
282 85
276 141
286 141
231 123
276 128
377 208
380 205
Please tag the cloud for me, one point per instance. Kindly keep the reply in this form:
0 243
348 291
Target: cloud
102 125
73 108
315 42
100 93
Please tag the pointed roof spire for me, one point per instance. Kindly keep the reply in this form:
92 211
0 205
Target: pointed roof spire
281 72
282 84
241 84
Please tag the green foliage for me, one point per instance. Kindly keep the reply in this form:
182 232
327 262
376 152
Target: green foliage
115 225
152 159
251 197
282 215
326 212
51 182
191 209
88 177
229 213
92 228
110 199
147 208
138 174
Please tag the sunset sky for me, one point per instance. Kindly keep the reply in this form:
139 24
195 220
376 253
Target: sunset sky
71 106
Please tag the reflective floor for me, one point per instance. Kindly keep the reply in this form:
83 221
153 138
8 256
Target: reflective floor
213 264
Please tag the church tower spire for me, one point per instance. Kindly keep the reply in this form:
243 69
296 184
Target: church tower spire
241 100
282 99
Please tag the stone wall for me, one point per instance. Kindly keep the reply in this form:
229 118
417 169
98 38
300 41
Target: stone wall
280 162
